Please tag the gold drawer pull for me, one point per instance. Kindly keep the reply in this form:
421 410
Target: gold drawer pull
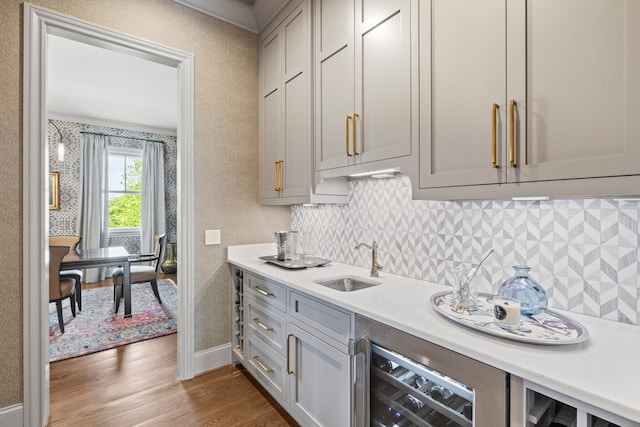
289 371
494 137
512 133
262 325
346 127
355 138
260 363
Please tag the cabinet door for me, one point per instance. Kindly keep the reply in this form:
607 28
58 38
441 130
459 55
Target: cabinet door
319 382
384 82
334 81
578 108
463 72
271 113
295 81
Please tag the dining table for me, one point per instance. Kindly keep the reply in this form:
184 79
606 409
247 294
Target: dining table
103 257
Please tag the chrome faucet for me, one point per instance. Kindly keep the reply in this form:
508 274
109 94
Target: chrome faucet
375 266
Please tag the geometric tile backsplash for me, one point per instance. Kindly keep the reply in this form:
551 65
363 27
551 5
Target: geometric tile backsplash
584 252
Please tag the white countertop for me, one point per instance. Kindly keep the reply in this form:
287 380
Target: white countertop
603 371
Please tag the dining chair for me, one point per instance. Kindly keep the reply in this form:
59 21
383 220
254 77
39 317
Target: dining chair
72 242
141 273
60 287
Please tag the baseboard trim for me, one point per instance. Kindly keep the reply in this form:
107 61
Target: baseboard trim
12 416
212 358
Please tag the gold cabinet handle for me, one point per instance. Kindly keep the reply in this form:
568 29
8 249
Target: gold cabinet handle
512 133
262 365
262 325
355 139
346 139
494 137
277 178
289 371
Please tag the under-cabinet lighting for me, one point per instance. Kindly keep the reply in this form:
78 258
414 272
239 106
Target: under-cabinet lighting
530 199
390 172
626 199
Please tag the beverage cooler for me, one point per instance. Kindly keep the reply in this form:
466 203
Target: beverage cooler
402 380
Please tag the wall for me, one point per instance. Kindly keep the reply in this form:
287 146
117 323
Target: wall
226 155
584 252
63 221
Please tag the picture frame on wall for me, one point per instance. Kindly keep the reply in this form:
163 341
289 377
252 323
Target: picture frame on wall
54 191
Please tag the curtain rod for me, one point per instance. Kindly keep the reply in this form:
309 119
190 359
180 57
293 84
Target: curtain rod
125 137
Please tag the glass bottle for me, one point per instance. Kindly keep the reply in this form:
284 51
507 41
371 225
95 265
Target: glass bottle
532 296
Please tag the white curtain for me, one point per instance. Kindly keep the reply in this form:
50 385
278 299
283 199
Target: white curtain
93 226
153 205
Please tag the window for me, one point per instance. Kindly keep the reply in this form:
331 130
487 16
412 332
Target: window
124 177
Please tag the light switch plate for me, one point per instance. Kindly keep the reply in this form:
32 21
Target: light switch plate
211 237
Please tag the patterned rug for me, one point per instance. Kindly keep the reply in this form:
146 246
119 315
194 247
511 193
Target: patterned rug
97 328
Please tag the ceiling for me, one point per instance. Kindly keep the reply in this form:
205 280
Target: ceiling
92 84
88 83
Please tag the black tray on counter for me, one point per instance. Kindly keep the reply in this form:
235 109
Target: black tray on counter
294 265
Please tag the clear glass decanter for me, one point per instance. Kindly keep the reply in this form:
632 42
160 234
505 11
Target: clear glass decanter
532 297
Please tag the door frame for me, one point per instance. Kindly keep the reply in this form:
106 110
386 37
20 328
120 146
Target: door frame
38 23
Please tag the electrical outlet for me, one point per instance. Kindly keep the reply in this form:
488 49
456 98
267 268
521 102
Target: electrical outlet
211 237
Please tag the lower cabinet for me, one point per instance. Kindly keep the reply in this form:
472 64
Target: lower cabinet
298 348
319 380
544 407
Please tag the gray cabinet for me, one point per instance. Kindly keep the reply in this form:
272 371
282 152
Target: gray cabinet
366 92
285 154
320 365
531 99
297 347
284 109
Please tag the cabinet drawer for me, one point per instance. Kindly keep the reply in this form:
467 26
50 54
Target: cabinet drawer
267 324
268 367
325 318
268 293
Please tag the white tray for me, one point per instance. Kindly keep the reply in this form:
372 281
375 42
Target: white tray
548 327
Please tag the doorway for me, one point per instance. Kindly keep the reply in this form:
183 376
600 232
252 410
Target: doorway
39 23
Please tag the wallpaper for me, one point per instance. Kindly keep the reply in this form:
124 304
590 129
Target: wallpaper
226 141
584 252
64 220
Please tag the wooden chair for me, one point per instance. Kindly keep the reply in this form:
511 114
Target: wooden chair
141 273
72 242
59 287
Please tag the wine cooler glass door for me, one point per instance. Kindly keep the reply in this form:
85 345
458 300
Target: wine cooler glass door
402 380
406 393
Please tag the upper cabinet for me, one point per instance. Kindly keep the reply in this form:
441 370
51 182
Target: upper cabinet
285 112
529 98
366 85
284 80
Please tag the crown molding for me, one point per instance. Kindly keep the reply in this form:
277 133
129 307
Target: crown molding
253 19
231 11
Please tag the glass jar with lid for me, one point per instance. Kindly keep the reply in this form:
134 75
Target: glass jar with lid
532 296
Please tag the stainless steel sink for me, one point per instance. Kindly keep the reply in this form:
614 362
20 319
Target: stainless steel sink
347 283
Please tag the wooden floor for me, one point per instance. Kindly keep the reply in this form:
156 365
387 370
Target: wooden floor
136 385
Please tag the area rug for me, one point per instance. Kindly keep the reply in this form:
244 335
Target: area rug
98 328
